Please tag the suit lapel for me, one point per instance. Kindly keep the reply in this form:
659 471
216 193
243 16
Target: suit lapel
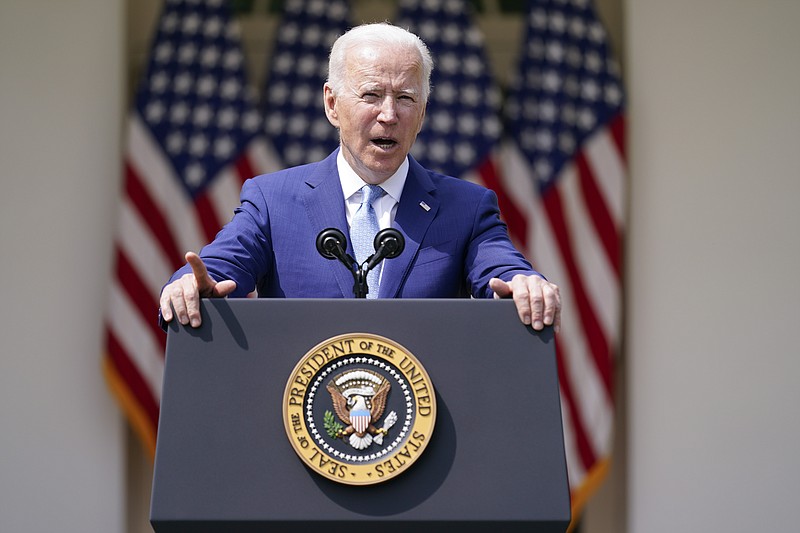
416 211
324 202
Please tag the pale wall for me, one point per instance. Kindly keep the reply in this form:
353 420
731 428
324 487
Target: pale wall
713 255
61 438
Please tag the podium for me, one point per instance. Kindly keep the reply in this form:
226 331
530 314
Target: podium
495 457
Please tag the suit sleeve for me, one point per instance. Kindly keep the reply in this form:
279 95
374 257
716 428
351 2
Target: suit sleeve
490 253
242 250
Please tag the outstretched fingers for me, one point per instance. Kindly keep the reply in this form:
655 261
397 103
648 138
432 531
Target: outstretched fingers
183 295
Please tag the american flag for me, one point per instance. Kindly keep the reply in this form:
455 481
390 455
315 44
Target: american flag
565 167
192 139
294 115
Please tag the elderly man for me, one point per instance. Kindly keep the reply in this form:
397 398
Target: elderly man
456 245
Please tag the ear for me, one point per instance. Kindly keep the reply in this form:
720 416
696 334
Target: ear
329 101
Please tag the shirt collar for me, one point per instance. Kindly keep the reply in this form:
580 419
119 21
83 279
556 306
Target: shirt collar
351 183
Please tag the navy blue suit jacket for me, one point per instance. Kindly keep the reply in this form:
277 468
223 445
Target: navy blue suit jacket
455 240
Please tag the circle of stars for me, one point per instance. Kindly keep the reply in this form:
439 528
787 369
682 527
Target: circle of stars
396 376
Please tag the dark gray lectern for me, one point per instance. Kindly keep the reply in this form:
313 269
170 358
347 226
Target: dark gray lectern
495 459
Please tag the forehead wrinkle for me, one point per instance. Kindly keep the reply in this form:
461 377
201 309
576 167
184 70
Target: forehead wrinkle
365 70
384 88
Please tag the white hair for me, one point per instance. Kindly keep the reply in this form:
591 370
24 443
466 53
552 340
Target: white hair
381 33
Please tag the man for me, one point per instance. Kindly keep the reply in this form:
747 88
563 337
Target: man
456 245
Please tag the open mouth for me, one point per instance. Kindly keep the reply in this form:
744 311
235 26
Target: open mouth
384 143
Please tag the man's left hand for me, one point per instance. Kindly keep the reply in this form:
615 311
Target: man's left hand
538 301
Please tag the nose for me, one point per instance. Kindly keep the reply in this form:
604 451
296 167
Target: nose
388 111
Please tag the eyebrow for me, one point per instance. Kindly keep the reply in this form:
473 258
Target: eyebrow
379 88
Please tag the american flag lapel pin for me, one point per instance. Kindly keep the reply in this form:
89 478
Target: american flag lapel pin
425 206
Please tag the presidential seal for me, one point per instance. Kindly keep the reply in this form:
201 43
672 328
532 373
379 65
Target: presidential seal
359 409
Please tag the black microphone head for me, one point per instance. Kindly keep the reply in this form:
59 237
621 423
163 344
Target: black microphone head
328 241
392 241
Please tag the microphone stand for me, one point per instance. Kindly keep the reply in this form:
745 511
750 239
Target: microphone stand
360 287
388 243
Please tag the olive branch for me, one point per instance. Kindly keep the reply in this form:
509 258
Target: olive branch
332 427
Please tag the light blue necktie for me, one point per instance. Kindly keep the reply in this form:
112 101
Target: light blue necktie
363 229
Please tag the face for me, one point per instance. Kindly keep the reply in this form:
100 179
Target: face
379 111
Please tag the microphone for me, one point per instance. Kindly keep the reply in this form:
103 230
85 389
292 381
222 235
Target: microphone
389 243
331 245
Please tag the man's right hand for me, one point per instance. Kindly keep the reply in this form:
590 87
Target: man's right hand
183 295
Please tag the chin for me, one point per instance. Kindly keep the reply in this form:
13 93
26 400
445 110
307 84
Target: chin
384 165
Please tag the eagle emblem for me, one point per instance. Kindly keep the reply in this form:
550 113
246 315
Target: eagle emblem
359 399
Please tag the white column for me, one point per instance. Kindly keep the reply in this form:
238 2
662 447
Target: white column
61 105
713 255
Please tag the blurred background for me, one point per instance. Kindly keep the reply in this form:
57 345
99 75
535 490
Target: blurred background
684 417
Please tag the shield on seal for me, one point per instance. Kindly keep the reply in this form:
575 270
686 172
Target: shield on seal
360 420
